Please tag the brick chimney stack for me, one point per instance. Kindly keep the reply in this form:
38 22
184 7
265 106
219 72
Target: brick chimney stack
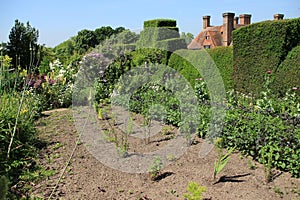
236 22
278 16
228 28
245 19
206 21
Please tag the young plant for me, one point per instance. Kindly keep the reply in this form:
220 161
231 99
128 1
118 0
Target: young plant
147 126
266 158
155 168
194 191
123 149
222 158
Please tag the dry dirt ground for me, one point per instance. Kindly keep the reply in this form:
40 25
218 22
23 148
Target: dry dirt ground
87 178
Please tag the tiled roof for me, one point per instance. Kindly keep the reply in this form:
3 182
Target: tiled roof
215 38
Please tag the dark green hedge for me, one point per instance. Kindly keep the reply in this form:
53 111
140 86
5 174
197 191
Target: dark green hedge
261 47
288 74
171 44
221 56
160 23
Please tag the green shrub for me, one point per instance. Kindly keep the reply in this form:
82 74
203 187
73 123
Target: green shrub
261 47
251 130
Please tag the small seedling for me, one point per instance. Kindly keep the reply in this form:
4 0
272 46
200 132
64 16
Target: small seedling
222 158
194 191
155 168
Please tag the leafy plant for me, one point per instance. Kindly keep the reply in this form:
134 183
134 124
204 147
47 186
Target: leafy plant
267 159
155 168
195 191
222 159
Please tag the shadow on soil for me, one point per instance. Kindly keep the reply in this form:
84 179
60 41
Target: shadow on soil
233 179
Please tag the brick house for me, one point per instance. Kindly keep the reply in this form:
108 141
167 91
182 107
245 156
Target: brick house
212 36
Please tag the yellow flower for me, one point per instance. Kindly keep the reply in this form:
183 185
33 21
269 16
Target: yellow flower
23 111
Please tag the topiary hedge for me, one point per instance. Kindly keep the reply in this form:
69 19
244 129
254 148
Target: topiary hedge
160 33
160 23
262 47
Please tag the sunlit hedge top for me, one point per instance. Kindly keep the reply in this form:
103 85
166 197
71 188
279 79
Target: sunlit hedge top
160 23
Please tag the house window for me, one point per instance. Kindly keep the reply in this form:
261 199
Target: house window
207 37
206 46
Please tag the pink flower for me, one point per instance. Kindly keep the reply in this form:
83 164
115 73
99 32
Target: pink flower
269 72
294 88
199 79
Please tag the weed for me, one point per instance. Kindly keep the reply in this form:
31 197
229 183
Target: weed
170 157
278 191
251 164
194 191
155 168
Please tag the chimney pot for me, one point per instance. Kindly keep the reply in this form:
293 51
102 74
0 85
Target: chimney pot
245 19
206 21
278 16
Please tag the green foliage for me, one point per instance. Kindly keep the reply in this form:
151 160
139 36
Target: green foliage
288 73
162 34
222 160
223 58
22 46
172 44
261 47
155 167
160 23
22 150
85 40
3 187
188 37
194 191
251 127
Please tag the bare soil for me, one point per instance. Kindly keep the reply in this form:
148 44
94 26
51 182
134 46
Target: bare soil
85 177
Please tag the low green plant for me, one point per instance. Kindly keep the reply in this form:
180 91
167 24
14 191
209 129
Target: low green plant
195 191
155 168
223 158
267 159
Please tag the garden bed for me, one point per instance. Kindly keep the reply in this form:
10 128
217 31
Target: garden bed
87 178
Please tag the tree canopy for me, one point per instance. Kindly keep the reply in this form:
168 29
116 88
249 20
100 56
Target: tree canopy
22 46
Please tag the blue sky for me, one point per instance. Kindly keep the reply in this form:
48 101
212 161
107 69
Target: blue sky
58 20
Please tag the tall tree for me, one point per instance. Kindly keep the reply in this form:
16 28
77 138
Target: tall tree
84 40
187 36
22 46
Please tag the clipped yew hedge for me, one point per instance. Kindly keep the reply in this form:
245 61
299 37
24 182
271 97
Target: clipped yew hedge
261 47
221 56
160 23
